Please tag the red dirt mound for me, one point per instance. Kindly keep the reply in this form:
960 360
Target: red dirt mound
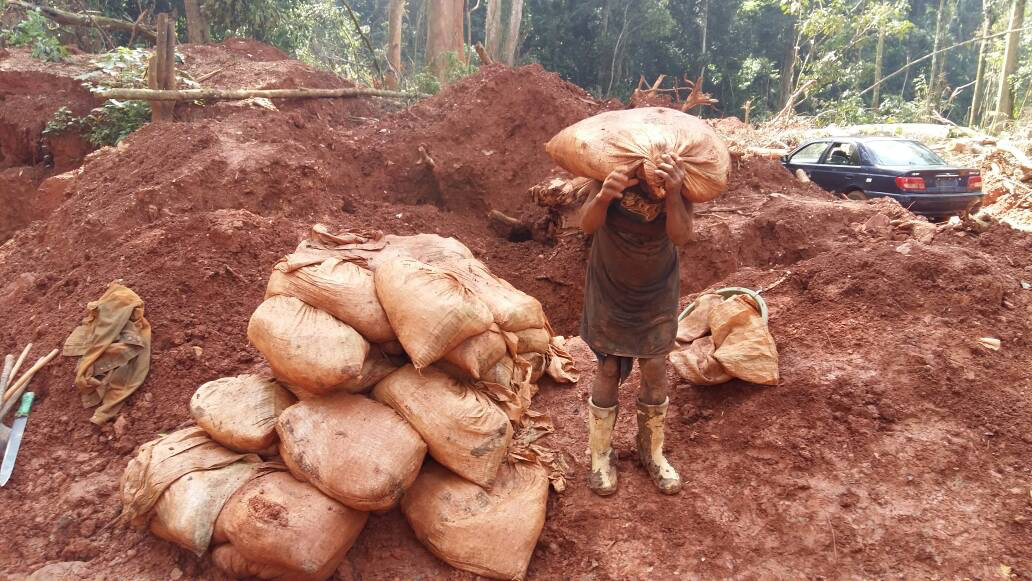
860 462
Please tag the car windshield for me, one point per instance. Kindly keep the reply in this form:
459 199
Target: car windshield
903 153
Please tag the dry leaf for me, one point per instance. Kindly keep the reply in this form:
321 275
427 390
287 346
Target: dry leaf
990 343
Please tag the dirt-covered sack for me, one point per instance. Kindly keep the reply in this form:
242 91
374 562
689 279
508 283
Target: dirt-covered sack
188 515
462 427
478 354
275 527
342 289
533 341
430 310
377 366
722 339
186 512
357 451
635 139
306 347
240 412
513 309
487 532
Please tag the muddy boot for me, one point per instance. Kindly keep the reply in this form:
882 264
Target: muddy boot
601 421
650 447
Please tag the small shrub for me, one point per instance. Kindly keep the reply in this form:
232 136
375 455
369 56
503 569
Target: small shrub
35 31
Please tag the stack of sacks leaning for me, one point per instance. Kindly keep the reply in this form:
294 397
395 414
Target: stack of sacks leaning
384 350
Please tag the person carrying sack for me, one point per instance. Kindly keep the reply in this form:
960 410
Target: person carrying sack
630 312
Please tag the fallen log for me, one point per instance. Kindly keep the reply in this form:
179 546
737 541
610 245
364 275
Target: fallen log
87 20
241 94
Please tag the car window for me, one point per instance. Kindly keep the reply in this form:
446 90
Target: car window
810 154
842 154
902 153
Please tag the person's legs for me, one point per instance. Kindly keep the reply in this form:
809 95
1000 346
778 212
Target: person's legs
652 407
602 410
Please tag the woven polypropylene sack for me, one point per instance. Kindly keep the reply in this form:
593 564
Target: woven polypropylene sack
513 309
307 347
478 354
463 429
240 412
487 532
430 310
635 139
357 451
276 524
340 288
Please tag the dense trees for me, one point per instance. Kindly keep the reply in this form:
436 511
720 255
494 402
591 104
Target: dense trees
854 60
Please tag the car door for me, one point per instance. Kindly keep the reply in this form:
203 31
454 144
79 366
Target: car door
839 167
807 158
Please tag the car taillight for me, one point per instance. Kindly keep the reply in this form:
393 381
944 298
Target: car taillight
974 183
910 183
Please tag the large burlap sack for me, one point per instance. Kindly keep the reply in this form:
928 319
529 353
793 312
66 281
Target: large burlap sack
306 347
340 288
478 354
722 339
280 528
352 448
430 310
533 341
178 460
463 429
513 309
635 139
487 532
186 512
377 366
240 412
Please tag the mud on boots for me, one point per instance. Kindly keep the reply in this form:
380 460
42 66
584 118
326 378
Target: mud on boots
630 312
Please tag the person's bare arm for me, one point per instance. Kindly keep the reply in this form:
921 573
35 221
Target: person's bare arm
593 212
679 222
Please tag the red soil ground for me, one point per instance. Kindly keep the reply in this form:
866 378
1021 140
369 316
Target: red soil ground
895 445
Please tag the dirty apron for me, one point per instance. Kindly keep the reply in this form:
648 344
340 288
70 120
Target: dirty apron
631 290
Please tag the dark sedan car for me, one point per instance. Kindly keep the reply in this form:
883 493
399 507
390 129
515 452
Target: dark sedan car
905 170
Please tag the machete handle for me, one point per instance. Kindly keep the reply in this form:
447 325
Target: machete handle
26 404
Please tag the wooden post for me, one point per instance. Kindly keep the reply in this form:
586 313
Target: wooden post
161 74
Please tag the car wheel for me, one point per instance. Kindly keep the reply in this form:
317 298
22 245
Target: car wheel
858 195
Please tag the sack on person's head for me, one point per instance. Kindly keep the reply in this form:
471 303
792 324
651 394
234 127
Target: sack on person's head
635 139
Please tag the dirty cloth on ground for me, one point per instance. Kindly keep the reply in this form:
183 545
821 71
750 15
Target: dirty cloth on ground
631 289
114 343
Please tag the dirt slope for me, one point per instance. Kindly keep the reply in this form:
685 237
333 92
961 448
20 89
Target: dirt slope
894 446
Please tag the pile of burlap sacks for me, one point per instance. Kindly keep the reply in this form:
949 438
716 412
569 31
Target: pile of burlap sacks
384 350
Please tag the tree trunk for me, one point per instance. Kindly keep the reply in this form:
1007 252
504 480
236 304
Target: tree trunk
788 63
932 98
1005 99
976 99
512 38
395 15
197 29
879 56
493 29
705 27
445 30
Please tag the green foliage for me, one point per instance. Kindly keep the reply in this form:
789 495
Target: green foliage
34 31
105 125
851 109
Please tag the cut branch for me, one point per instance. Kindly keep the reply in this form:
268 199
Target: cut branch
87 20
240 94
791 103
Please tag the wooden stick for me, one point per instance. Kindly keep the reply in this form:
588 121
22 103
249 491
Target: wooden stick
14 392
18 364
240 94
485 59
86 20
5 376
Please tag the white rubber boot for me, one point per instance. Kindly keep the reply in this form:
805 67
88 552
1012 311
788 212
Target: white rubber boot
601 421
650 447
